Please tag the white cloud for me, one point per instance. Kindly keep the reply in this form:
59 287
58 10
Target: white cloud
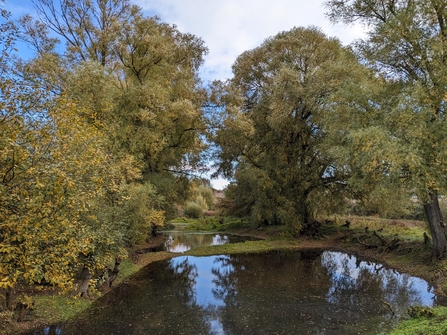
230 27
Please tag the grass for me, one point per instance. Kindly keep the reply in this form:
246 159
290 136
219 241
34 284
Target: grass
217 223
426 321
244 247
127 268
58 308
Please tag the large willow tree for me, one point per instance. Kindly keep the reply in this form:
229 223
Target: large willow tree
271 137
407 45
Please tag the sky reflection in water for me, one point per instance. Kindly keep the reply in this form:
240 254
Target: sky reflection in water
181 242
311 292
359 285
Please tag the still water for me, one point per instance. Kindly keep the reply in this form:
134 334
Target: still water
307 292
181 242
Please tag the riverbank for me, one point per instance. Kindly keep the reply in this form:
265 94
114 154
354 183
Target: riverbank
369 238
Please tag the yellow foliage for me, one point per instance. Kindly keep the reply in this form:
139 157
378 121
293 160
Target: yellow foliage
53 170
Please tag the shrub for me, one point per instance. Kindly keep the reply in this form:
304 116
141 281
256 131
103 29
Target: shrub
207 194
193 210
201 202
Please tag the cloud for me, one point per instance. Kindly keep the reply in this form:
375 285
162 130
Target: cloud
230 27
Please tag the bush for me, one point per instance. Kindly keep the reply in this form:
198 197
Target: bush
201 202
207 194
193 210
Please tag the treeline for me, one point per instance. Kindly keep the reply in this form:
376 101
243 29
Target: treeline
99 132
102 129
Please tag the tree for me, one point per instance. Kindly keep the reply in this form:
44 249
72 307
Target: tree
82 134
158 115
271 137
124 85
407 45
53 171
89 28
140 77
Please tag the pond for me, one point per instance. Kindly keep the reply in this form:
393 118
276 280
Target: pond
181 242
306 292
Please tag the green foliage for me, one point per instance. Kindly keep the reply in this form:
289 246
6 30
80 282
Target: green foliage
53 171
238 200
207 195
140 212
419 311
193 210
398 138
271 133
423 321
200 195
201 202
94 139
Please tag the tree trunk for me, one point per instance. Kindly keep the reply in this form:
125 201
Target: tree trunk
82 282
153 230
113 273
436 224
8 298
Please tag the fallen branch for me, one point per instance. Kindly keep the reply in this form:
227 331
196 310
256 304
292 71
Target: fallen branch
389 306
379 237
366 244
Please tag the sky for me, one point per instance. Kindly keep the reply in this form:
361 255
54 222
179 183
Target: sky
230 27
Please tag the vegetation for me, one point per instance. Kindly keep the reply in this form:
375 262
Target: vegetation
270 131
103 129
400 140
193 210
93 134
424 321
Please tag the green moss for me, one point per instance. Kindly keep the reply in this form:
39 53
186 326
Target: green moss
243 247
58 308
428 322
127 268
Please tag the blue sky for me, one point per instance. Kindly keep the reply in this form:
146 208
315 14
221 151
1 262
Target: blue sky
230 27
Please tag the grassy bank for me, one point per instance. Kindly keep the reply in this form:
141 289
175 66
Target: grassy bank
367 237
426 321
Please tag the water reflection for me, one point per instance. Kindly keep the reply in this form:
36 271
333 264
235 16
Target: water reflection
351 276
181 242
312 292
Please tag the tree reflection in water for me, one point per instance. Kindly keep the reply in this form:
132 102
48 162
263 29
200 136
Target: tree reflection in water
322 292
354 280
313 292
181 242
186 274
